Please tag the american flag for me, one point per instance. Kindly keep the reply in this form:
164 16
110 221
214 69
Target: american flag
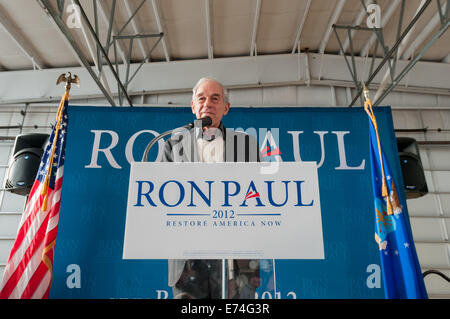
28 272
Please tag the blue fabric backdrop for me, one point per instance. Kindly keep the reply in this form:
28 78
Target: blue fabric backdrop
93 207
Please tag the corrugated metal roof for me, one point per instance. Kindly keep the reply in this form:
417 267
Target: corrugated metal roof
28 30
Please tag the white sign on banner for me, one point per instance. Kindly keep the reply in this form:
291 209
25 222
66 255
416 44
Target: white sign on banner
223 210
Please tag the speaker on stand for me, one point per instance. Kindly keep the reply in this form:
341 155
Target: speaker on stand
27 154
412 169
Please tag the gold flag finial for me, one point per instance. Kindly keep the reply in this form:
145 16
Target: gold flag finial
68 79
365 92
65 98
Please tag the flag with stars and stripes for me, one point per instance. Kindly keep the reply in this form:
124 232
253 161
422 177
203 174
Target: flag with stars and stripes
28 272
400 266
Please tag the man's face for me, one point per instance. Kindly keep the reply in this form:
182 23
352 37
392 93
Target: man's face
208 101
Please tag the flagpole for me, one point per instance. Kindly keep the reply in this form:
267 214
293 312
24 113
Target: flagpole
369 110
62 78
65 98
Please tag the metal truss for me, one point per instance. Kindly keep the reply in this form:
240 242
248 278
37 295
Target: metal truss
397 51
100 51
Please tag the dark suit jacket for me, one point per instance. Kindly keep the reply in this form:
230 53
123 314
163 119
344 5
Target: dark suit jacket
239 147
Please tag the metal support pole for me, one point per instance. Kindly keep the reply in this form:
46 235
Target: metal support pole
412 63
146 58
352 70
46 4
103 52
399 31
99 57
393 49
374 55
130 18
111 19
108 37
119 91
353 61
137 36
345 57
443 16
349 41
379 35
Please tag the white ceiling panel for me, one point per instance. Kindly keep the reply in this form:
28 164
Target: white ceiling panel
278 25
273 24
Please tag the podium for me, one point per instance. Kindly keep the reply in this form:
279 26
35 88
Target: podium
224 211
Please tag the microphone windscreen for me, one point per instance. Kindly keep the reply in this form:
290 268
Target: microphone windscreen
206 121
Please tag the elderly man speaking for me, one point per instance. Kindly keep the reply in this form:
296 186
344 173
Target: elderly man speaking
202 279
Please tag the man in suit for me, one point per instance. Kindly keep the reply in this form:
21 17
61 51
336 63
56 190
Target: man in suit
203 278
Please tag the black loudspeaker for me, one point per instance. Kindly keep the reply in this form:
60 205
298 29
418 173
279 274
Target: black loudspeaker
412 169
27 154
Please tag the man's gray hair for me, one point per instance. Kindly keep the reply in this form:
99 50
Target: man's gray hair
208 79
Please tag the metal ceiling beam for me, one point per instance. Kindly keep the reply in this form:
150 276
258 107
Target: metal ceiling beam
386 16
443 14
348 85
160 29
300 27
130 38
245 72
46 5
209 42
142 47
105 55
64 38
406 40
399 53
24 45
393 50
426 31
336 13
102 9
89 42
255 28
362 13
413 62
91 45
351 68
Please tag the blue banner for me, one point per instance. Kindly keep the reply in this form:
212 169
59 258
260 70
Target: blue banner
102 141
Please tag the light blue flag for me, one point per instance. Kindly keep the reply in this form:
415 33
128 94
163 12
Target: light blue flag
400 266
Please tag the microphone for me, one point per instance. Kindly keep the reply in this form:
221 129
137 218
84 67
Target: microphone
205 122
